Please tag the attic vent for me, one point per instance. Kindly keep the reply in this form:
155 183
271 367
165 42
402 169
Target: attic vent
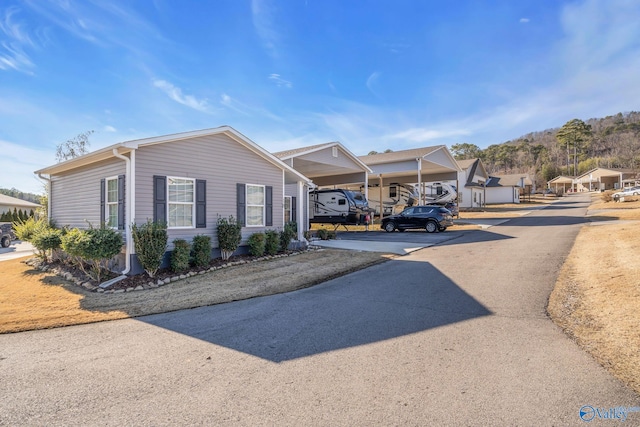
334 151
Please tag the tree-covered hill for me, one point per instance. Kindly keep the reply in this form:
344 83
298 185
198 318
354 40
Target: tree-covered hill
612 142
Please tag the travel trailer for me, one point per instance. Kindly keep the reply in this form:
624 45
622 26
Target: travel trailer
396 197
337 206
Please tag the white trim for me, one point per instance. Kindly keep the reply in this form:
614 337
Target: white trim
246 204
192 203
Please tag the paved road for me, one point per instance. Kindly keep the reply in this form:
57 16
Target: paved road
454 334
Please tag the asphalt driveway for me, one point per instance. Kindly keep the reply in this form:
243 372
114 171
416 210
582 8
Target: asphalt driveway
454 334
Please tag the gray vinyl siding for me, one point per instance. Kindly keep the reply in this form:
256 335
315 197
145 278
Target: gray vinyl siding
326 156
219 160
75 195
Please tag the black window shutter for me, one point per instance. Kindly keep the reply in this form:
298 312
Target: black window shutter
294 210
159 198
121 193
103 184
241 204
268 206
201 203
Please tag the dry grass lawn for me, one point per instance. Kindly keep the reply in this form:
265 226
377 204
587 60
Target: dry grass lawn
31 299
597 297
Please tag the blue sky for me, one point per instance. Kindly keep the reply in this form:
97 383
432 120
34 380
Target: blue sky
371 74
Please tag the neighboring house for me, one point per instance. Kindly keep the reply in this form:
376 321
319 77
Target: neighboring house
9 204
471 181
561 184
187 180
604 179
507 188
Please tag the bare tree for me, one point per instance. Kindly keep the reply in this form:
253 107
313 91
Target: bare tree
74 147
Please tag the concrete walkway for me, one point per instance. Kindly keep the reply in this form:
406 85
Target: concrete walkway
17 249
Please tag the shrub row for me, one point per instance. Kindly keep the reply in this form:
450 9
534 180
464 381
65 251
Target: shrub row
91 249
271 242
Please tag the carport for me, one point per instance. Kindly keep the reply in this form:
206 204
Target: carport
418 165
603 179
562 182
327 165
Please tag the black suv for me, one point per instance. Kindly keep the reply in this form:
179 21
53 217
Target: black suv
431 218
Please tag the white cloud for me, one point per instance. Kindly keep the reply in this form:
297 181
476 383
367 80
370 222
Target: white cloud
279 81
263 15
108 128
233 104
175 93
371 82
524 20
12 54
421 135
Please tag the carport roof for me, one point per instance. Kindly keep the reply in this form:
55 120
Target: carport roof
328 163
398 156
436 160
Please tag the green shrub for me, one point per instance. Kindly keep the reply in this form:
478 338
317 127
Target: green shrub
287 234
323 234
256 244
180 255
150 240
25 230
46 240
100 246
72 243
201 250
272 242
229 236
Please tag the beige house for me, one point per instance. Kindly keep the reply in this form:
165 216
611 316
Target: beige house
600 179
561 184
187 180
9 204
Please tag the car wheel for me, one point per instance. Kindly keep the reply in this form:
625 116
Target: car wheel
635 193
431 227
389 227
6 242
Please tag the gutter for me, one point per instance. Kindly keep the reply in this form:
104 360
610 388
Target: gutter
48 180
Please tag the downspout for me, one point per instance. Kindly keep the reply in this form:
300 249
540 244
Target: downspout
128 201
48 194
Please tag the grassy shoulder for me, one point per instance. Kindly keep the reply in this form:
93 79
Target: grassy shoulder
31 299
596 299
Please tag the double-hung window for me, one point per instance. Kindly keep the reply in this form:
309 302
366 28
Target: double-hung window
181 206
255 205
111 202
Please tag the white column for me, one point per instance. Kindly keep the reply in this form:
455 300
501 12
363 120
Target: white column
303 206
420 189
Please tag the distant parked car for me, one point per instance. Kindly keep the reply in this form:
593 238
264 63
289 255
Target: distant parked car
430 218
632 191
6 234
